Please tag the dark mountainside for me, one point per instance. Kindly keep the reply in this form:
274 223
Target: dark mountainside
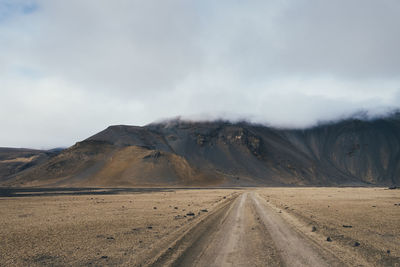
16 160
179 153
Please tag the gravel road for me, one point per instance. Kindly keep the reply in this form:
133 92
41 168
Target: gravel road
246 232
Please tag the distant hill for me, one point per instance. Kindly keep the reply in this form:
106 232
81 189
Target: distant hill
181 153
16 160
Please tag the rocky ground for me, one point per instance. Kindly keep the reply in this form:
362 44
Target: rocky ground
201 227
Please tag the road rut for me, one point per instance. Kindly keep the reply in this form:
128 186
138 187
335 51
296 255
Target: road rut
248 232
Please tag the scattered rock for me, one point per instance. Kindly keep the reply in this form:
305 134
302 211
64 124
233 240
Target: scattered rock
388 251
110 238
329 239
347 226
154 208
356 244
224 197
149 227
374 206
176 208
104 257
393 187
204 210
314 229
190 214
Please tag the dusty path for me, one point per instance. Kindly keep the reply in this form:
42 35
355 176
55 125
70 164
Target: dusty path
294 248
246 233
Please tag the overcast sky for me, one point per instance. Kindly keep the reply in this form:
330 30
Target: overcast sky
69 69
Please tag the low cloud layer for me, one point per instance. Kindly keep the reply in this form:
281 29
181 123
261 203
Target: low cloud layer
71 68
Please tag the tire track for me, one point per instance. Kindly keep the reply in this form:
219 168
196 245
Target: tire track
245 232
295 249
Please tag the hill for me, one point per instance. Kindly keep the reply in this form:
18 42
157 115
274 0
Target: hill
220 153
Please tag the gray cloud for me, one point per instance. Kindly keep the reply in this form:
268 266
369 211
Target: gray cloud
69 69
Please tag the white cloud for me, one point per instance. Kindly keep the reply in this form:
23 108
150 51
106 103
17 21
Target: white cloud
70 68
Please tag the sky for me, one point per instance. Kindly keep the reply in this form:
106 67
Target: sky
69 69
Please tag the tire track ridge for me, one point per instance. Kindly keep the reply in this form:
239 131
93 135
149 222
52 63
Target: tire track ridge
295 248
173 253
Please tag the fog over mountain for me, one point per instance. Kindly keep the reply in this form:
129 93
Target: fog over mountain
69 69
184 153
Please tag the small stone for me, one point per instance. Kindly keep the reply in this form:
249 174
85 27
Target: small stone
347 226
190 214
104 257
149 227
314 229
356 244
388 251
224 197
154 208
329 239
176 208
204 210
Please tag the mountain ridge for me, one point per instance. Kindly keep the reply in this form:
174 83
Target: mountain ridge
222 153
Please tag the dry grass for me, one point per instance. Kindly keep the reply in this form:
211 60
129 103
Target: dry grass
127 229
371 212
80 230
20 159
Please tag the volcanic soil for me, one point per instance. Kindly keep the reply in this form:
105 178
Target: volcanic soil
201 227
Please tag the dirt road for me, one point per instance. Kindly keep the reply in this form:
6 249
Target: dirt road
248 232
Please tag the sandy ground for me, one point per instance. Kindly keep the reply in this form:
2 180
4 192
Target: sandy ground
249 227
122 229
369 216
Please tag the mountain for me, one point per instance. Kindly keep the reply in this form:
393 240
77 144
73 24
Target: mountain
220 153
16 160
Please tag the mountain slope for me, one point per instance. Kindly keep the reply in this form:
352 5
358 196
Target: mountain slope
17 160
180 153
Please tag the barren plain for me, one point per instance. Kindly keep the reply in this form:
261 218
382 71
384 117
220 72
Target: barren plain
200 227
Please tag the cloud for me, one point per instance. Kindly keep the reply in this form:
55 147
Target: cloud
69 69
